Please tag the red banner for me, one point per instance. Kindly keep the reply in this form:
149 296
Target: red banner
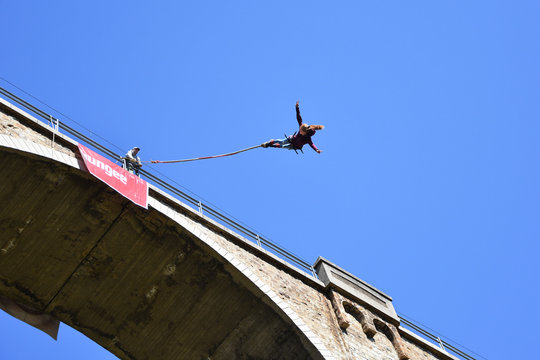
129 185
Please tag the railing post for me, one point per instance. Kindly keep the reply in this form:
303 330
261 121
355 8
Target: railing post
53 122
55 129
200 207
258 240
440 343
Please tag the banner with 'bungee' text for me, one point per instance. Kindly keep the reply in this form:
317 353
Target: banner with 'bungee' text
129 185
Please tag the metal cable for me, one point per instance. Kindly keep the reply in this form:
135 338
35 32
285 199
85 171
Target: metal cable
59 112
422 330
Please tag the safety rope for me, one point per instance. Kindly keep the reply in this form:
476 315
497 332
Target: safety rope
200 158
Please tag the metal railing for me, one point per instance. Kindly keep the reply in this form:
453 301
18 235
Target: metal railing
200 206
444 345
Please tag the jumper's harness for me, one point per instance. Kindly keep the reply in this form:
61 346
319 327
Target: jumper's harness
292 147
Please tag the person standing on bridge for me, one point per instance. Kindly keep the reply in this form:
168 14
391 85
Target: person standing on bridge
132 162
298 139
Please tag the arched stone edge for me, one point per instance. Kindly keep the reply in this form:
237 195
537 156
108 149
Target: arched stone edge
244 270
40 150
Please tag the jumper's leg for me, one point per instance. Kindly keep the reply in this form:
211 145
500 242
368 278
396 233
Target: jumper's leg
276 143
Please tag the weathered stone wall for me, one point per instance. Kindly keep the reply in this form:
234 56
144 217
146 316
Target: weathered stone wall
346 328
312 303
307 301
418 353
12 126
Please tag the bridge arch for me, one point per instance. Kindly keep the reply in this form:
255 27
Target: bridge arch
142 283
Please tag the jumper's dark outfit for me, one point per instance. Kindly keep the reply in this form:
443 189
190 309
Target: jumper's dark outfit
296 141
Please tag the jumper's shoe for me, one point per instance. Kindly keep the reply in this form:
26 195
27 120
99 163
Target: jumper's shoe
266 144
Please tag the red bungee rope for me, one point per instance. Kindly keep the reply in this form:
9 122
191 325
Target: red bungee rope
201 158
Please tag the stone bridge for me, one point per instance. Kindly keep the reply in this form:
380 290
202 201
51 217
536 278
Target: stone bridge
167 282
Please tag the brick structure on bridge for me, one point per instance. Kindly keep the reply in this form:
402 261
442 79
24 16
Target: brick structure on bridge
280 311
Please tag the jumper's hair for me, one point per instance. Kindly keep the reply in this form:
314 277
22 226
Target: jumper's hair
305 127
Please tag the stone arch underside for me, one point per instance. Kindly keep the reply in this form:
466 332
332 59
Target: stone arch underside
133 280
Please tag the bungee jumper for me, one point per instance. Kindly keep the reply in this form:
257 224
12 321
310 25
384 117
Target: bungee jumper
298 139
292 142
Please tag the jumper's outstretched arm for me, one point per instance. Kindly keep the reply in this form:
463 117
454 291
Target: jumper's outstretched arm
314 147
298 117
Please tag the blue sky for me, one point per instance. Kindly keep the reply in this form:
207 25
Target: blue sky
427 186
